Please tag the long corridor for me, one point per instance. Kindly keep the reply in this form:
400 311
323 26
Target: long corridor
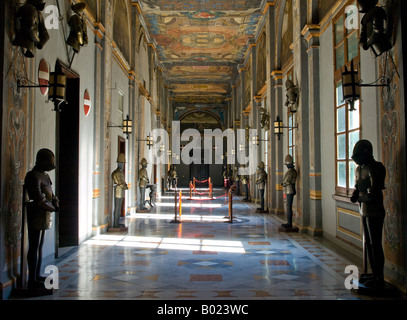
203 257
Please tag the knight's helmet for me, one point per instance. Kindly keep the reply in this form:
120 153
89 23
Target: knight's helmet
289 84
362 152
45 160
38 4
288 159
27 32
121 158
366 5
261 165
143 162
376 30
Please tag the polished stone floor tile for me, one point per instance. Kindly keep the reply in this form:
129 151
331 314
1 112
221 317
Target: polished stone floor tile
203 257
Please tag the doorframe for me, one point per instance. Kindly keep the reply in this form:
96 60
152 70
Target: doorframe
70 74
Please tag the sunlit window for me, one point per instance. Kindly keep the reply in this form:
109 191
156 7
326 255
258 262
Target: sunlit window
347 123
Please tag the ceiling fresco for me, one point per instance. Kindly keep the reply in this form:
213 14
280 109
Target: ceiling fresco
201 42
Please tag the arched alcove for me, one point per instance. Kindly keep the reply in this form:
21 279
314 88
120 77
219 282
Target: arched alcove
121 28
200 120
287 34
92 6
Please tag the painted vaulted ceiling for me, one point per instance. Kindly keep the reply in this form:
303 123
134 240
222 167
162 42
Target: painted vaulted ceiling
200 44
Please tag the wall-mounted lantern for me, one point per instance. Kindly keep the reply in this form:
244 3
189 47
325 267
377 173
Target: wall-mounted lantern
127 126
351 85
256 140
279 128
149 140
56 85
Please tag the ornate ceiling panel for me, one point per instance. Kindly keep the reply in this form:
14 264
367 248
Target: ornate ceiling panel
201 41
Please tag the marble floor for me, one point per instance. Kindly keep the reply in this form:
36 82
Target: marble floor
204 257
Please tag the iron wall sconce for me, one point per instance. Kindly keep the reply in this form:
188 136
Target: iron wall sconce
351 85
127 126
256 140
278 127
150 141
56 85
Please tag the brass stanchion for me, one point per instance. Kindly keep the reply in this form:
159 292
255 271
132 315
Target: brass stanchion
230 207
180 204
190 189
175 210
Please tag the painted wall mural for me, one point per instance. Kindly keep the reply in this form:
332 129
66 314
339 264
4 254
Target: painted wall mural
391 153
15 156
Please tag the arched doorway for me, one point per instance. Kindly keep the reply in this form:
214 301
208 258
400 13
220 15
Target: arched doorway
200 120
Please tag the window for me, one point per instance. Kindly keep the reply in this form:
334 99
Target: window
266 145
347 123
291 135
120 105
291 125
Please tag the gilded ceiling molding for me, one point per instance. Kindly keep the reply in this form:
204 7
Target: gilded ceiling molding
325 21
260 95
123 64
311 31
99 30
144 92
268 5
277 74
247 110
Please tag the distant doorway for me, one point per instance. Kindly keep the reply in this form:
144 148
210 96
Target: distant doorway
199 171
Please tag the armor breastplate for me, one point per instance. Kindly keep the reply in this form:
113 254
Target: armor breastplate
121 186
290 179
143 178
369 183
261 179
39 209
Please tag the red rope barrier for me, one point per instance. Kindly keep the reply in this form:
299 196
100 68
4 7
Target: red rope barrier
224 195
204 181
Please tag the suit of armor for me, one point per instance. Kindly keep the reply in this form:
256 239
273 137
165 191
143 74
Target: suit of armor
290 178
373 33
31 32
173 177
120 188
236 178
42 202
369 184
292 95
261 178
265 119
245 183
143 181
78 36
